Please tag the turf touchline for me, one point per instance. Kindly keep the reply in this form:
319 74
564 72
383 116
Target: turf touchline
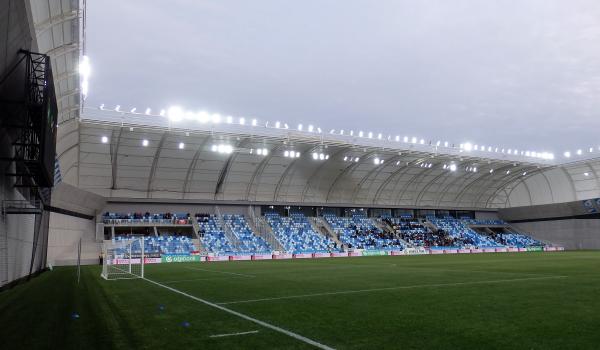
232 334
386 288
222 272
246 317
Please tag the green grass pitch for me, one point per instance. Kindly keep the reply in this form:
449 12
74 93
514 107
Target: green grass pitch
493 301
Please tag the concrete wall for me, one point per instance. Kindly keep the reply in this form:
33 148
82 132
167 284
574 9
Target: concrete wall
63 241
486 215
567 224
571 233
65 230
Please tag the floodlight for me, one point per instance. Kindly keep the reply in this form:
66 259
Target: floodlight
104 139
181 145
145 143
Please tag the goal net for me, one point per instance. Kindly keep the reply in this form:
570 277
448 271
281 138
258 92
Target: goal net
123 259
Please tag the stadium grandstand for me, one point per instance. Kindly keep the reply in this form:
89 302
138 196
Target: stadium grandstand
175 228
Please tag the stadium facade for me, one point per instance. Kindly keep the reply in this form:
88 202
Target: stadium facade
110 161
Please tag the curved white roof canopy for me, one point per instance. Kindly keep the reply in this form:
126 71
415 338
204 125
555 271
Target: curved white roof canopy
123 167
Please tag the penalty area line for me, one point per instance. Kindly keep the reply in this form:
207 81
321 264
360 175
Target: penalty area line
222 272
232 334
246 317
388 288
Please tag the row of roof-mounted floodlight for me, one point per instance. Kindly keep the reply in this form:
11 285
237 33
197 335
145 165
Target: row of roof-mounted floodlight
224 148
177 114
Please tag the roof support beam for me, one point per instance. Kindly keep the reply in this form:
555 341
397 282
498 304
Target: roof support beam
225 169
155 163
377 170
114 155
402 170
318 170
444 192
288 169
259 169
190 171
349 169
55 20
511 178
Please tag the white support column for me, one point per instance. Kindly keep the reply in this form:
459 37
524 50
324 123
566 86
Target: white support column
142 256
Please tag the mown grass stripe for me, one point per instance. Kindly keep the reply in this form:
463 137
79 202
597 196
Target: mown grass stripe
386 288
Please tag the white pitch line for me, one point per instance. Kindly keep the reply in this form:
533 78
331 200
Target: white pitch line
223 272
386 288
246 317
204 279
232 334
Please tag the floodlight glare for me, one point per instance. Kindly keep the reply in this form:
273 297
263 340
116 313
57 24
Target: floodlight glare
203 117
181 145
104 139
175 114
145 143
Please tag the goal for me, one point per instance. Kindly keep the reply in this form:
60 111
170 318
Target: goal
123 259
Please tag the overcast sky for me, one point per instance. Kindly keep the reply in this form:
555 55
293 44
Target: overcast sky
522 73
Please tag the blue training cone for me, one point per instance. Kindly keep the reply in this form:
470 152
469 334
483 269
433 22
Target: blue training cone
185 324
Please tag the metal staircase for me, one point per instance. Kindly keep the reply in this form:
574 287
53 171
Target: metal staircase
261 228
322 226
231 236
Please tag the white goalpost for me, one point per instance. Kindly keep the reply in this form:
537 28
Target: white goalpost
123 259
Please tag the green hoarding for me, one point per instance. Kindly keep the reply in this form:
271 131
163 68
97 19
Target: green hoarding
179 258
535 249
373 252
